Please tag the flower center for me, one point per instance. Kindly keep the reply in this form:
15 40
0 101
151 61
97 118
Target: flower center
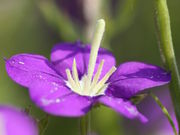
89 85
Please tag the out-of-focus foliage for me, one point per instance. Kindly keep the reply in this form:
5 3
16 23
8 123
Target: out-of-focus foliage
130 35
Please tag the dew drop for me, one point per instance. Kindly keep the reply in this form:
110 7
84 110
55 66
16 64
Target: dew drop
58 100
164 73
55 84
20 62
52 91
88 101
63 99
131 110
119 102
110 98
46 102
12 61
40 76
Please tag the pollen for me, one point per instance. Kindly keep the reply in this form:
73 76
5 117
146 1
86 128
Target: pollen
89 85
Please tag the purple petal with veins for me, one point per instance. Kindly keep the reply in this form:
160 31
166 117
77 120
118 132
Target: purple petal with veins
132 78
62 56
124 107
56 98
22 68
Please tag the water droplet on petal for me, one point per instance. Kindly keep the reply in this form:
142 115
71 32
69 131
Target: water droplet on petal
119 102
110 98
55 86
164 73
54 83
58 100
46 102
52 91
40 76
20 62
131 110
88 101
12 62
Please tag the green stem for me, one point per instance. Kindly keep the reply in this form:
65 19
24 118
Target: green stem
165 111
85 124
167 52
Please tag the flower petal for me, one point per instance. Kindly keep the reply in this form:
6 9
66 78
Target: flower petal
109 59
63 54
14 122
125 108
133 77
55 98
22 68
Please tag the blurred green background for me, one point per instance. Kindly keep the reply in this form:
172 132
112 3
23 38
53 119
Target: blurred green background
34 26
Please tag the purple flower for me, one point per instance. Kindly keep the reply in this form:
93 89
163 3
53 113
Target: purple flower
14 122
77 77
158 123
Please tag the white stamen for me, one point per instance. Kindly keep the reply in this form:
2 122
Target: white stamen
70 80
89 86
98 34
75 73
104 79
97 75
101 91
86 87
